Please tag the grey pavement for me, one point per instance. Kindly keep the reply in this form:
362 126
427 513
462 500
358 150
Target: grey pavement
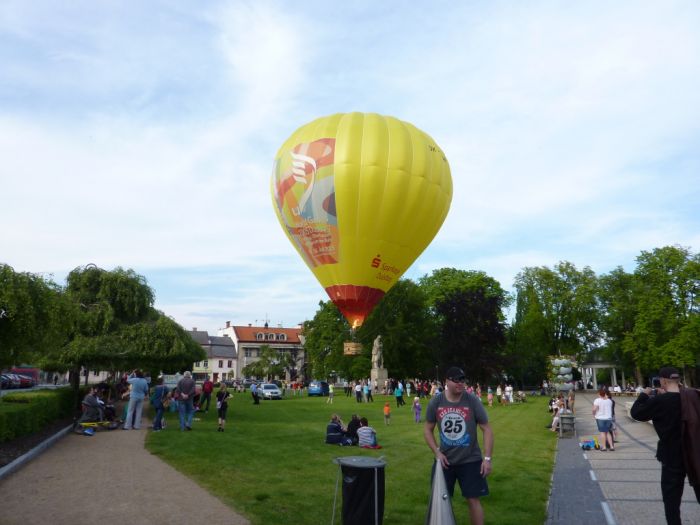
110 479
617 488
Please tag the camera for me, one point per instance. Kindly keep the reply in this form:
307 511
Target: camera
655 382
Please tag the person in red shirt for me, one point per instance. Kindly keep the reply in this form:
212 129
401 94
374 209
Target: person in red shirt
207 389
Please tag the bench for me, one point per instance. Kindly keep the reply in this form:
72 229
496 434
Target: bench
567 425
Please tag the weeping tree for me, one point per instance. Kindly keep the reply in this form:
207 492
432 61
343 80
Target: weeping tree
115 327
35 316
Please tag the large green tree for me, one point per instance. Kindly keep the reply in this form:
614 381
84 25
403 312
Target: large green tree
117 328
469 311
408 332
557 310
618 313
34 316
324 336
667 325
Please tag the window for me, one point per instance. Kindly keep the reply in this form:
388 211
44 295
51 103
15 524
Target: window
270 337
205 364
281 337
260 336
230 363
248 352
197 364
221 363
95 372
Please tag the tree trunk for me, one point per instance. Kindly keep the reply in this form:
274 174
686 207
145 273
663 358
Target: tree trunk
638 375
74 380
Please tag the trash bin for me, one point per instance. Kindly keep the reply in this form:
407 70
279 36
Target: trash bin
363 489
567 424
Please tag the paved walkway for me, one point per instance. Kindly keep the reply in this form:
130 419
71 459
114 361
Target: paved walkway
78 480
617 488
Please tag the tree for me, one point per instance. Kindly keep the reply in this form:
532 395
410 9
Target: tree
559 307
117 328
408 332
666 329
272 363
529 341
324 336
468 308
618 312
34 316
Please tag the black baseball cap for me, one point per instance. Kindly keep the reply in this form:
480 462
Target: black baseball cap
455 373
669 372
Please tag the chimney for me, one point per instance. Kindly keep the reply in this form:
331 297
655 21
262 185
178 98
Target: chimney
228 324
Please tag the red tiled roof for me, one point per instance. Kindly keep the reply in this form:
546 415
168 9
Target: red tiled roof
248 334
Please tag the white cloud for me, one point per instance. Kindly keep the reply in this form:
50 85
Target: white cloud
144 136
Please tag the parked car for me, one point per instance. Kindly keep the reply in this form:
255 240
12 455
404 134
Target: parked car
7 382
318 388
25 381
269 391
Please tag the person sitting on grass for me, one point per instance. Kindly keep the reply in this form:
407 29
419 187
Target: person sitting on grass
366 434
335 432
353 426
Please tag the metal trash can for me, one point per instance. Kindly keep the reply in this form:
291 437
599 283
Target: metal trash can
363 490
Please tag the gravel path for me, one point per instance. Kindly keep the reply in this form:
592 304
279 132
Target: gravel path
110 479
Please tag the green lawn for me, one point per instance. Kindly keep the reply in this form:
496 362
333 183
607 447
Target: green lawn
272 465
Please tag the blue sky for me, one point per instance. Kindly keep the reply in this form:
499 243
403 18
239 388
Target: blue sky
142 135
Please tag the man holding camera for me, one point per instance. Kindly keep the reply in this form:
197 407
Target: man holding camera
662 406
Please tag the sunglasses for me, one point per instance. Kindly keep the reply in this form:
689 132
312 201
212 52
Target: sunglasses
457 379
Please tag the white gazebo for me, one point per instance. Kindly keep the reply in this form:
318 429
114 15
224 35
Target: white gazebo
588 372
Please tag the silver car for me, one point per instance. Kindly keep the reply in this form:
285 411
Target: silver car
269 391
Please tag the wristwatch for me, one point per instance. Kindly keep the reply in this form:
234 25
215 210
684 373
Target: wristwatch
487 458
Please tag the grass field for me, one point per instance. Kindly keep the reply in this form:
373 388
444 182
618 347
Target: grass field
272 465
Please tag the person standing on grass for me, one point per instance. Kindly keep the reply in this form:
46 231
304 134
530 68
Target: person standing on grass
186 389
457 414
358 392
157 400
417 408
139 392
387 413
222 405
330 393
254 393
207 389
666 408
602 412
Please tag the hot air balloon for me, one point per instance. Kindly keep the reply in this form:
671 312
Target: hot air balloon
360 196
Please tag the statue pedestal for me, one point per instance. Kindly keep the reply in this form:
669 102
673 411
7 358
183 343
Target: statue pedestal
379 375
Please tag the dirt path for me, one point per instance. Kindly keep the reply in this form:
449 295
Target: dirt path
110 479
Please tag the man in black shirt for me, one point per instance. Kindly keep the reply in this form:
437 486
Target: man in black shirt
663 407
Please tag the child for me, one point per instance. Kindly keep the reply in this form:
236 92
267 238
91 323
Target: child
417 409
222 406
490 396
387 413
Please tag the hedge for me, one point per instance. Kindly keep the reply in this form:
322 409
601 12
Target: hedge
25 413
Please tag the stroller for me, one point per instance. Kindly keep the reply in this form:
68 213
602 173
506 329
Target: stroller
95 415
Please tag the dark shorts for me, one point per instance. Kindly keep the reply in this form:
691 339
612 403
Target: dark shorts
472 483
604 425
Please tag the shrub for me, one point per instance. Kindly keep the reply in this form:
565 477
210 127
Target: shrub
25 413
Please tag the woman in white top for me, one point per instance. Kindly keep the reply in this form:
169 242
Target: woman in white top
602 411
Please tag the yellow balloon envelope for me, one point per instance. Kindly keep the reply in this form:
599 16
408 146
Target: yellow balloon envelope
360 196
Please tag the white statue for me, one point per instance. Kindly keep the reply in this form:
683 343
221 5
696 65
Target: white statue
377 358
